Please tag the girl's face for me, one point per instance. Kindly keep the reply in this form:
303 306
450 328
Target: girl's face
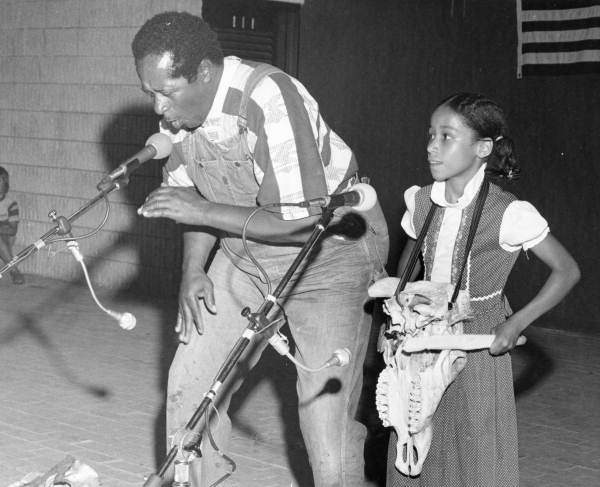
454 153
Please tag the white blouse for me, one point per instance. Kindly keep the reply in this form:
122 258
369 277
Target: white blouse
522 226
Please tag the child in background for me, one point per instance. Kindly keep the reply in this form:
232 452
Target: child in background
9 223
474 427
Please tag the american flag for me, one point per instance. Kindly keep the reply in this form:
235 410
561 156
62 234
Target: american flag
558 37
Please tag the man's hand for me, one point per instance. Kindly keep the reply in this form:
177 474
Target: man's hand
195 286
183 205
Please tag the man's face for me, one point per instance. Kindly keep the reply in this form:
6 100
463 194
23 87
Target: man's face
182 104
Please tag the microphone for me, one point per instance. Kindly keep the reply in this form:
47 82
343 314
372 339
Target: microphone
361 197
126 320
341 358
157 146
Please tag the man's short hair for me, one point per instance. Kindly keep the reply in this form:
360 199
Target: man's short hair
187 37
3 173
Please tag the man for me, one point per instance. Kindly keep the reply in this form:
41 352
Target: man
244 137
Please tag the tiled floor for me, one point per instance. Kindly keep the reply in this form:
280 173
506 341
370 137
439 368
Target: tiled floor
74 383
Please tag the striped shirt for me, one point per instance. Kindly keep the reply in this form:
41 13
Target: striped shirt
296 155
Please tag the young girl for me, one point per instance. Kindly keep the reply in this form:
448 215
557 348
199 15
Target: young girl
475 429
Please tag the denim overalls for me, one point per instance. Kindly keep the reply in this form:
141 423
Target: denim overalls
323 307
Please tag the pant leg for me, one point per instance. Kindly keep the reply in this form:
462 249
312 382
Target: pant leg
196 364
326 312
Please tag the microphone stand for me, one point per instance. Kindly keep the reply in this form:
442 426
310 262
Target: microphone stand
63 224
257 322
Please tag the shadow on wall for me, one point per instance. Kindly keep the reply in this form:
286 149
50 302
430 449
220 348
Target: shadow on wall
157 243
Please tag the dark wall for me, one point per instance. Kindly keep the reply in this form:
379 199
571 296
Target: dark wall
378 67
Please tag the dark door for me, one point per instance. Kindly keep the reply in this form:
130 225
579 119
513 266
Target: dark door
258 30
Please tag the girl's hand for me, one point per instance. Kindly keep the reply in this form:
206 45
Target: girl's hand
183 205
507 334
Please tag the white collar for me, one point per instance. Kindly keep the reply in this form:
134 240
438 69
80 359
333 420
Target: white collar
230 64
438 191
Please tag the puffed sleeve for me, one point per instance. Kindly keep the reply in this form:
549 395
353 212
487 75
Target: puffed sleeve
522 227
407 218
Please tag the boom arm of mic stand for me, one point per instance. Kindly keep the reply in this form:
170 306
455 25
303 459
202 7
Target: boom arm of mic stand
63 226
257 322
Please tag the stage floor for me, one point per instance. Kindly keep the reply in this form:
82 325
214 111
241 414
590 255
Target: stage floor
74 383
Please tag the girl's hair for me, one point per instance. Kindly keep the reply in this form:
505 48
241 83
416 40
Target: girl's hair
487 120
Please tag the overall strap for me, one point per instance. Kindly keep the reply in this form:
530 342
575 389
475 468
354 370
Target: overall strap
260 71
412 260
483 191
410 265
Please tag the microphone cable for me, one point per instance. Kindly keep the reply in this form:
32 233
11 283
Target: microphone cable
260 268
340 357
40 243
218 451
183 460
126 320
89 234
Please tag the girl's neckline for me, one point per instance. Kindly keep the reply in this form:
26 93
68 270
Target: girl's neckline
438 191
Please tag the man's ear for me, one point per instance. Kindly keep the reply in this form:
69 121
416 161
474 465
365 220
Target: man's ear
484 147
205 70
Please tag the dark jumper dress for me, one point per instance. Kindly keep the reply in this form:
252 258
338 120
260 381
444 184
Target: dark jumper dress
475 427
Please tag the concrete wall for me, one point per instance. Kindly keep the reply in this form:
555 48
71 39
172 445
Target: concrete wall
71 110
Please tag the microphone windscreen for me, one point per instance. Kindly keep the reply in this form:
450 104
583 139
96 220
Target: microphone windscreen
343 355
162 143
127 321
368 196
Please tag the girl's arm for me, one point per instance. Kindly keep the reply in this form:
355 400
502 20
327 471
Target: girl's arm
563 276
